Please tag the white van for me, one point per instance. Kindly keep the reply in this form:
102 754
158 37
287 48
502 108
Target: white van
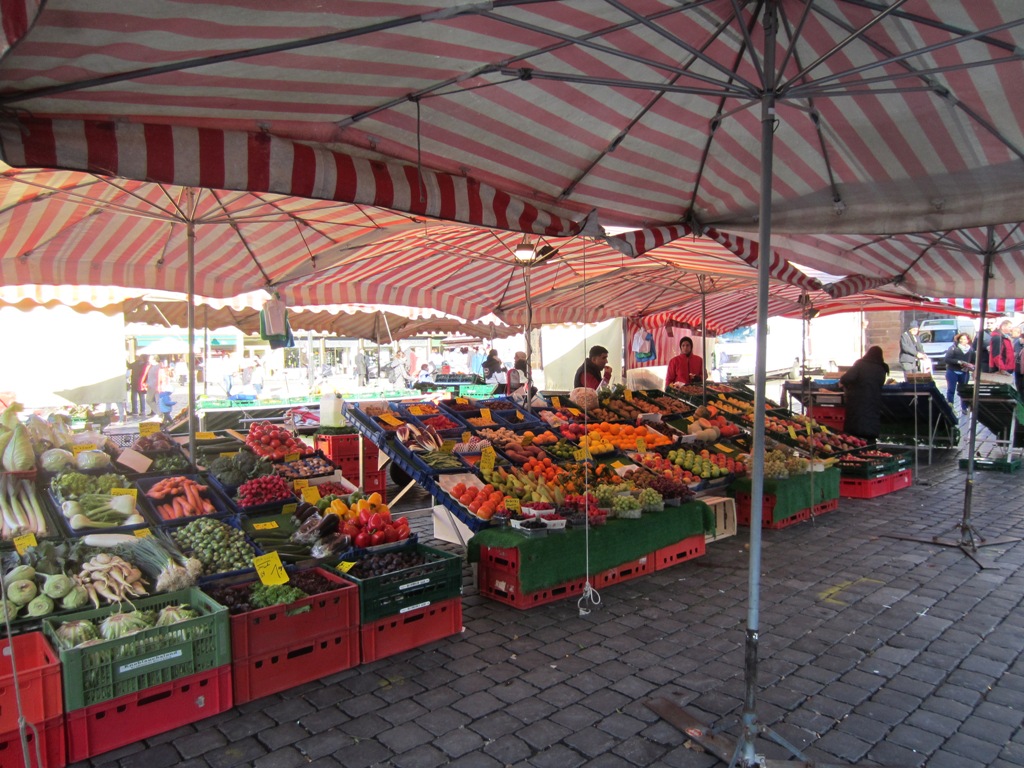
937 334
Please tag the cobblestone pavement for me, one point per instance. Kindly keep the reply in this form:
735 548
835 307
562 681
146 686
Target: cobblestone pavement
874 650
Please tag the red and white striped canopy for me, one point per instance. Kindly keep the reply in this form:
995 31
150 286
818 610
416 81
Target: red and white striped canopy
890 117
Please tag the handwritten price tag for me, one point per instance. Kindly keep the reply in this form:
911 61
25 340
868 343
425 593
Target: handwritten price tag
345 567
462 400
228 455
512 504
792 432
292 457
205 436
466 436
808 429
557 402
147 428
23 542
485 414
628 394
298 485
575 411
269 526
142 533
447 446
77 449
582 454
641 445
394 421
270 569
417 410
519 416
289 509
133 492
487 459
824 430
311 494
527 440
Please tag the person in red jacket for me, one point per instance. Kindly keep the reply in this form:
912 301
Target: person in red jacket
1000 356
686 367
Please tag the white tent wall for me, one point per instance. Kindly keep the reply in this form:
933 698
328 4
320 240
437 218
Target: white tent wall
54 349
564 347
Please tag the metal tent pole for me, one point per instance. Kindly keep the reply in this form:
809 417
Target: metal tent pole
191 240
703 340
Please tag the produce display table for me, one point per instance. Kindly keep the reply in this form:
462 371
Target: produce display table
916 413
788 497
561 557
1001 410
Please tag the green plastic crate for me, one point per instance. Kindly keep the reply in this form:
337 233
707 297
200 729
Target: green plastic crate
476 390
114 668
399 592
994 465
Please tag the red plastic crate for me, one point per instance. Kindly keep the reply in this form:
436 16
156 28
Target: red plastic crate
767 513
864 488
503 587
341 447
39 681
681 551
376 482
52 746
501 558
270 629
833 417
108 725
826 506
395 634
300 662
900 480
625 572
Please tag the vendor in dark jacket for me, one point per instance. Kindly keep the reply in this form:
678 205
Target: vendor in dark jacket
863 387
959 364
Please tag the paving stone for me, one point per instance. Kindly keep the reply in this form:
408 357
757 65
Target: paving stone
478 704
286 757
543 733
557 757
246 725
281 735
425 756
159 756
326 743
199 743
459 742
244 751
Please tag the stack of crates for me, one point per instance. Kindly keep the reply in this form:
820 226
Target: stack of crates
42 704
343 451
121 691
276 648
407 608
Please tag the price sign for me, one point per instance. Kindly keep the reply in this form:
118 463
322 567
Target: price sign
23 542
77 449
345 567
388 418
723 448
311 494
641 445
142 533
291 457
808 429
466 436
229 454
204 435
512 504
527 440
575 411
289 509
447 446
268 526
462 400
417 410
147 428
519 415
582 454
270 569
487 459
824 430
485 414
628 394
556 402
298 485
792 432
133 492
617 464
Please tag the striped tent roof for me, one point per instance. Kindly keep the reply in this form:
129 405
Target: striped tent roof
545 117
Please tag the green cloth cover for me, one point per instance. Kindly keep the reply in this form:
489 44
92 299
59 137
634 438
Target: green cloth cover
793 494
548 561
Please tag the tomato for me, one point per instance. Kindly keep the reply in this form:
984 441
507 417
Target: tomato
362 540
275 443
265 439
377 538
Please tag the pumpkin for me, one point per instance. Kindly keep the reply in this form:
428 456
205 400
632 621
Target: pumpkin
584 397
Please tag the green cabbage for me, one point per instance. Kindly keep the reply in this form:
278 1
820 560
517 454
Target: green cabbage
41 605
92 460
56 459
9 418
19 456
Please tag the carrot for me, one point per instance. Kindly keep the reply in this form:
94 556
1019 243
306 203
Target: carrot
192 497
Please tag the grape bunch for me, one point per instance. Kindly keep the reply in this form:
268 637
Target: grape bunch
775 465
606 494
626 507
650 499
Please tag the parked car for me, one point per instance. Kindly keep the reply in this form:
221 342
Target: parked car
937 334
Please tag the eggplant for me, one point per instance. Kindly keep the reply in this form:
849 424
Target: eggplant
332 545
304 511
328 525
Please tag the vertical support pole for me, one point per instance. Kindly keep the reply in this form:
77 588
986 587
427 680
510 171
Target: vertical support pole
703 341
206 347
966 535
529 341
191 241
745 750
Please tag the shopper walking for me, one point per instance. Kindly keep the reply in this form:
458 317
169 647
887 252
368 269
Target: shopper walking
1000 353
959 364
137 386
152 386
911 350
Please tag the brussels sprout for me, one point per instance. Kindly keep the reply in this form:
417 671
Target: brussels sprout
22 591
40 605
